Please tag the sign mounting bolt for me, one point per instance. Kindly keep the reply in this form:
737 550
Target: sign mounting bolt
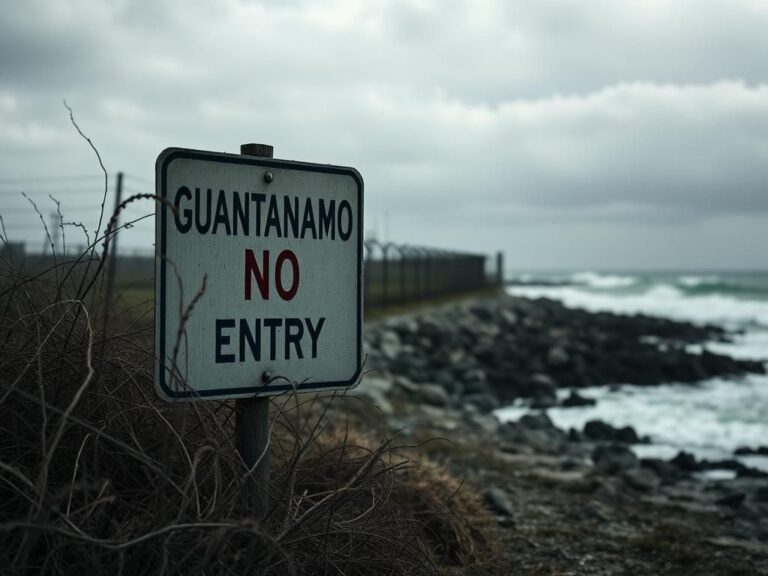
266 376
268 177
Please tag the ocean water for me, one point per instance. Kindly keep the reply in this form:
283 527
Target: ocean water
710 419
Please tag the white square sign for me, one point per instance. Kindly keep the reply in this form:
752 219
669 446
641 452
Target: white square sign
280 245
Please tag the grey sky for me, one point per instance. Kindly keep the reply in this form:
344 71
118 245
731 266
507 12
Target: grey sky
569 134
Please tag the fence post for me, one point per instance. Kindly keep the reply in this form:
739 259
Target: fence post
252 416
500 268
112 264
401 255
384 275
367 267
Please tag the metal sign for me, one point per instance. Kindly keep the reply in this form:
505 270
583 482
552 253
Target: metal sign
279 245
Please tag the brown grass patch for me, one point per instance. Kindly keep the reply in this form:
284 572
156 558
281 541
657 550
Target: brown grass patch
99 477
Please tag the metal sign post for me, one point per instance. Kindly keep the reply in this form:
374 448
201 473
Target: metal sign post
252 414
279 245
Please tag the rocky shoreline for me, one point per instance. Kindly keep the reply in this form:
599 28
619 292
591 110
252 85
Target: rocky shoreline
498 350
582 493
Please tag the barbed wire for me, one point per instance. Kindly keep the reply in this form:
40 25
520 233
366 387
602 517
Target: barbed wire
16 179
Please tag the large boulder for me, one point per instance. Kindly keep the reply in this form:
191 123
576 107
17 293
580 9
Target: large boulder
536 431
749 451
685 461
498 501
666 472
389 344
600 431
613 459
557 356
483 402
576 400
642 479
433 394
374 389
536 421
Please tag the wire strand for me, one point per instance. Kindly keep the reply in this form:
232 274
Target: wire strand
18 179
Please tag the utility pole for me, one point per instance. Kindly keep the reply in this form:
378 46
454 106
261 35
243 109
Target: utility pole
252 414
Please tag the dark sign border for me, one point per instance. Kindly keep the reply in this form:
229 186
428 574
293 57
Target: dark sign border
161 175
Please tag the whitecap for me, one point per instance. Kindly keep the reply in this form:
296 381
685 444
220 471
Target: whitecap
660 300
696 281
710 419
602 281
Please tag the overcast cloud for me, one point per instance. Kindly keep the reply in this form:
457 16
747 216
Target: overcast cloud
568 134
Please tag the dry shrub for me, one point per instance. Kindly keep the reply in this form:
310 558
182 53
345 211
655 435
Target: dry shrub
387 503
98 477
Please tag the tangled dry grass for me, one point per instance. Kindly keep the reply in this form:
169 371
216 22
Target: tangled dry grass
99 477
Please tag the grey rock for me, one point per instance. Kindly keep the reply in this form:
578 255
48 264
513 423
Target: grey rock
485 344
748 511
498 501
403 427
544 441
433 394
405 327
570 464
666 472
761 494
747 451
432 328
575 400
602 431
440 417
483 311
542 387
451 385
536 421
456 356
475 381
557 356
475 375
612 459
485 422
685 461
389 344
508 317
381 402
536 431
642 479
374 389
379 383
544 402
597 511
476 387
544 381
483 402
410 365
732 500
406 385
